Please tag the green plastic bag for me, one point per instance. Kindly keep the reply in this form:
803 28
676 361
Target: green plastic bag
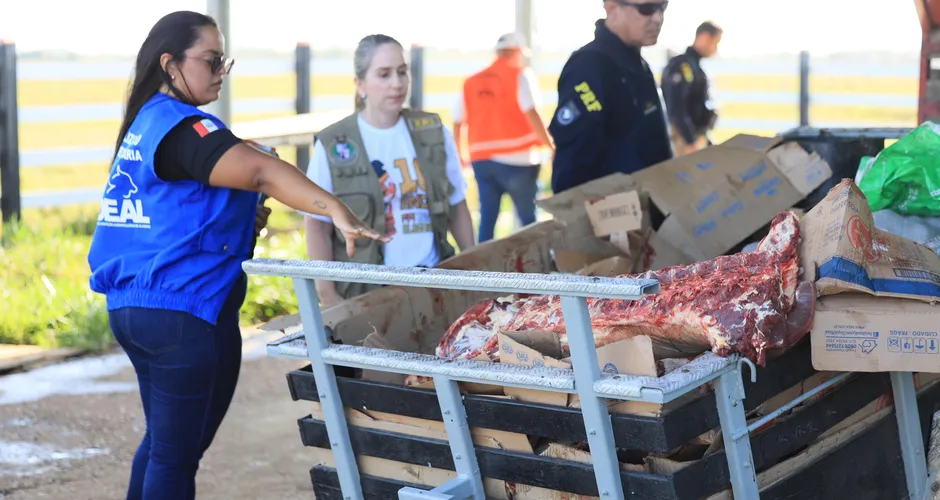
905 176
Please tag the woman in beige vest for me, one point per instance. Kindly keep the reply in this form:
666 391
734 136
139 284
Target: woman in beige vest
397 169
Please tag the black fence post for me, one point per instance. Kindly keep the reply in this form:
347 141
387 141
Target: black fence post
804 89
303 55
417 77
9 135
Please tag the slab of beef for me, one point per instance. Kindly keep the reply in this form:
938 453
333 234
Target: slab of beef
746 303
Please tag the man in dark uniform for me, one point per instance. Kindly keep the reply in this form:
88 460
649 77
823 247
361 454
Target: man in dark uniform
685 90
609 117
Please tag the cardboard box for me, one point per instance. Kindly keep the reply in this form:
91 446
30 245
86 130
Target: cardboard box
665 254
862 333
572 208
619 212
865 318
716 198
572 261
569 206
412 318
633 356
614 266
842 251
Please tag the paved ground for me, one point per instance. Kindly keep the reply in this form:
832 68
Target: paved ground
77 440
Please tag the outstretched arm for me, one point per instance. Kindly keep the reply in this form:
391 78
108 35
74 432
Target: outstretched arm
243 167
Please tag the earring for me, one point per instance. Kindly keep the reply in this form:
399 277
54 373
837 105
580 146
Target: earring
362 96
172 77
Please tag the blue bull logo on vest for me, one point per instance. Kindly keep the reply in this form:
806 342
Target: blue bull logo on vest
119 207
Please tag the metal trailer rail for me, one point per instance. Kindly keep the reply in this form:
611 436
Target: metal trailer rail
584 378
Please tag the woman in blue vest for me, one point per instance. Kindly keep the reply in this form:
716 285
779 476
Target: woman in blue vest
178 218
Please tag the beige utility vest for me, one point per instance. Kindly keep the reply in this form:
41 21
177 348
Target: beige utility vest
357 185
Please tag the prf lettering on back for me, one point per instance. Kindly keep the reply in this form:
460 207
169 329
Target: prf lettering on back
588 97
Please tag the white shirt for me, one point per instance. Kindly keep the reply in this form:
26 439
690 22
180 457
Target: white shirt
410 227
529 97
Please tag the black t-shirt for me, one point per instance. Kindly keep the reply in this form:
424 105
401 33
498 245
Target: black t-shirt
189 151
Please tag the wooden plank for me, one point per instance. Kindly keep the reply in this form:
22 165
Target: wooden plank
680 425
786 437
631 432
553 422
866 468
326 485
24 357
554 474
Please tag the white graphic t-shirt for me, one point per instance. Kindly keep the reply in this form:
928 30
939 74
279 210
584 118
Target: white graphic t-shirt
407 218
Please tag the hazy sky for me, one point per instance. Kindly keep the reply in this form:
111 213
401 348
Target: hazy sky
752 27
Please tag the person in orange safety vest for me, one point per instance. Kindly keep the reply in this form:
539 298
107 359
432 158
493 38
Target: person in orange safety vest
497 114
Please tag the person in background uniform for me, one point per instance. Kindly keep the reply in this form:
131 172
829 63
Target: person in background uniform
609 117
398 169
685 90
178 218
499 109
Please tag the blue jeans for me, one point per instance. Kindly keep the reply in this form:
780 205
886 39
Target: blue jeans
187 370
493 180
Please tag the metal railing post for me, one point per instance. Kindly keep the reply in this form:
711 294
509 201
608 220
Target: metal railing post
331 404
10 205
804 88
417 77
597 424
220 10
910 434
302 68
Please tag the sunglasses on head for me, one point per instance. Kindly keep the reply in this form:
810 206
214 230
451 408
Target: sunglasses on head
646 9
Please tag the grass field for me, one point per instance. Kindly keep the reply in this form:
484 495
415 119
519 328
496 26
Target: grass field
43 268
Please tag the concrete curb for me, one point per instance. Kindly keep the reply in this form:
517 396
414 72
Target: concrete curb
20 358
27 357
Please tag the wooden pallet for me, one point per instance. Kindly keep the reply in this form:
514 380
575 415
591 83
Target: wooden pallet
786 437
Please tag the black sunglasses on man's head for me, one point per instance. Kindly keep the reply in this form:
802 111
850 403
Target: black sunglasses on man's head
645 9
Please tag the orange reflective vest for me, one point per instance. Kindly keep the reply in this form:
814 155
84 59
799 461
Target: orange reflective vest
496 124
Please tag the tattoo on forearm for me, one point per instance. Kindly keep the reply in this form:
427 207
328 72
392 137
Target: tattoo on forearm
319 204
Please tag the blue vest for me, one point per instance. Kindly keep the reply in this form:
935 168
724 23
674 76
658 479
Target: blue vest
167 245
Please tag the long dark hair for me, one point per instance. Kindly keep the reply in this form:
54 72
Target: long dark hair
173 34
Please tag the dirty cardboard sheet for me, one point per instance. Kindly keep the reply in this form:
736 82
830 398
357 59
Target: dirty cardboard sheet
717 197
862 333
878 291
842 251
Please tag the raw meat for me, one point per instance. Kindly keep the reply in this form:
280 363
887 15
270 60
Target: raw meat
747 303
